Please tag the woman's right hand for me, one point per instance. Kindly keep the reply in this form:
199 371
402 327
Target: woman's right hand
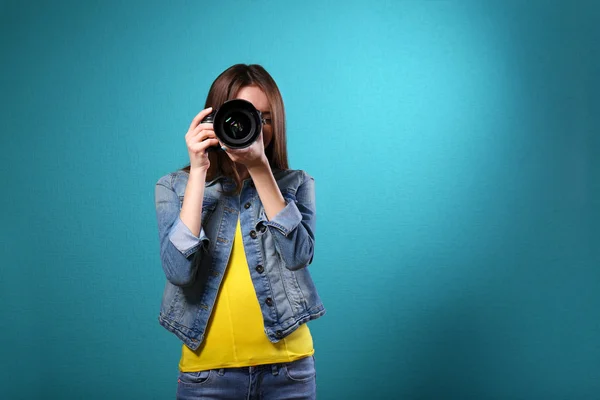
198 138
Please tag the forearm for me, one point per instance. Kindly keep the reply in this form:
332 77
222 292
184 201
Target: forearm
191 209
267 188
291 221
178 245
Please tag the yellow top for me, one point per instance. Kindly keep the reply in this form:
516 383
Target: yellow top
235 335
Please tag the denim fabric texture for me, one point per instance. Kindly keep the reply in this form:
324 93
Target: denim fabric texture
278 253
281 381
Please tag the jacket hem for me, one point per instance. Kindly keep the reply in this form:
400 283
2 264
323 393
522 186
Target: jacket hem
185 334
288 326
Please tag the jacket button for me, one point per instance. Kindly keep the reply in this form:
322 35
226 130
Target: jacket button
247 205
262 228
253 234
269 301
279 334
260 269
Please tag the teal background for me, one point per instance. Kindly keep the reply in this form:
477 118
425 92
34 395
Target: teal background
454 147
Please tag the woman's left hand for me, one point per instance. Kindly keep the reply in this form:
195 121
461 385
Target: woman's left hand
250 156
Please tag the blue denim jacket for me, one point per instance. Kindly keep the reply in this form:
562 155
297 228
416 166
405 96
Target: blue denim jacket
278 253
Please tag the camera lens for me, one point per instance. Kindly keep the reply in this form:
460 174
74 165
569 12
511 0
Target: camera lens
237 125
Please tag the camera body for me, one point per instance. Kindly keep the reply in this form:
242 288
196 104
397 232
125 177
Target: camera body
237 123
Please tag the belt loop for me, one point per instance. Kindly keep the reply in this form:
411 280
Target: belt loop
274 369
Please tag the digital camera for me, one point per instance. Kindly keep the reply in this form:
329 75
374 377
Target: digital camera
237 123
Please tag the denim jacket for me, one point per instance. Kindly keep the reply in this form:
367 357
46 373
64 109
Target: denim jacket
278 253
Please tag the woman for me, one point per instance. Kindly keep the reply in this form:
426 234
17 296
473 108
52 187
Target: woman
237 233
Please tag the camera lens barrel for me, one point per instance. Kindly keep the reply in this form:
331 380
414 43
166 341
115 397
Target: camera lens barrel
210 118
237 123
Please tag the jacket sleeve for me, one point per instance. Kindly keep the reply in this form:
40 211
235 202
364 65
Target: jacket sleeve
179 248
293 228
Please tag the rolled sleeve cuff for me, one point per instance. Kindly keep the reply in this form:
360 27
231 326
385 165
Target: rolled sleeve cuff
184 240
287 219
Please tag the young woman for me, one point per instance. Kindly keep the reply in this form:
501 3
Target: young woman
237 233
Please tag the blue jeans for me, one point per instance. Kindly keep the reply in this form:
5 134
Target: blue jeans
281 381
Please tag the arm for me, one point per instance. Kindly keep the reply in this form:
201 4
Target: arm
291 222
179 231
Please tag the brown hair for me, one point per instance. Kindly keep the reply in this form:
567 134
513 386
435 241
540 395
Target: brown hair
226 87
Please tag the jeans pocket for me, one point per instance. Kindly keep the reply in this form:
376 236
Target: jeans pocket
301 370
195 378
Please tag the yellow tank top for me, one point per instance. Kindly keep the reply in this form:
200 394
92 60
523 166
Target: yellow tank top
235 334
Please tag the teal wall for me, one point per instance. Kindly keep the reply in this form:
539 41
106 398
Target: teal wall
455 151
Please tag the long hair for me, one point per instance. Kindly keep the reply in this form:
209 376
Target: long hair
226 87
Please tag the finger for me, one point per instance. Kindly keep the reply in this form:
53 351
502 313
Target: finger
202 146
199 131
201 136
202 127
205 125
194 144
232 150
200 117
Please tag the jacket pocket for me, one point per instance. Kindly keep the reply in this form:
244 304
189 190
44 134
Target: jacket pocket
209 204
171 302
